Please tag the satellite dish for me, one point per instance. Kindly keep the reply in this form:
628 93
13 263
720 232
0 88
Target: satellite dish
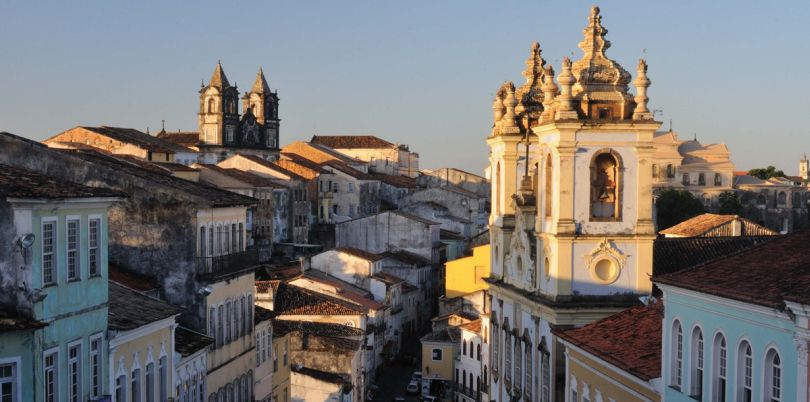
25 242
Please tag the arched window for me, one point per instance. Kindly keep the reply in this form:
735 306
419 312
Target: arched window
685 179
701 179
696 363
720 368
545 377
670 171
528 372
464 379
472 352
495 336
605 182
676 355
745 366
518 364
507 360
718 179
478 352
548 185
464 352
782 198
773 376
211 105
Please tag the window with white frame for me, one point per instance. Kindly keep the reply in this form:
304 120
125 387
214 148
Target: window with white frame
73 258
163 375
74 369
745 364
93 239
259 350
228 321
234 239
121 388
239 311
220 325
720 359
676 357
150 382
211 240
268 341
212 326
574 393
136 385
696 362
250 312
51 376
773 376
518 364
8 383
48 252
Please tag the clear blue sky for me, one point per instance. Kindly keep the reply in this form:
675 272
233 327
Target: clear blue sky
421 73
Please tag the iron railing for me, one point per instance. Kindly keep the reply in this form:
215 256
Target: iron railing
228 263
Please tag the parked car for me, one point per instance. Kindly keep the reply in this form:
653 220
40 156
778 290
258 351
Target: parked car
416 376
399 399
412 388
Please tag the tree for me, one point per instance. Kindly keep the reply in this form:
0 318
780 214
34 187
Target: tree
730 203
766 173
675 206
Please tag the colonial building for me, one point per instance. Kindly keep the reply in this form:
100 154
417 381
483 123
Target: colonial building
122 141
456 177
572 231
779 203
736 328
382 156
714 225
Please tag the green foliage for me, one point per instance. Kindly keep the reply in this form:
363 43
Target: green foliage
766 173
675 206
730 203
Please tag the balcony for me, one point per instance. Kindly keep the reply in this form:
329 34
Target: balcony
468 392
228 264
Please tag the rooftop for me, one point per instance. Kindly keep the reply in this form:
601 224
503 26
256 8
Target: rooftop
130 279
325 376
20 183
187 341
182 138
629 340
702 224
447 335
394 180
317 328
294 300
129 136
273 166
768 274
408 257
130 309
12 321
356 252
472 326
351 141
678 253
245 177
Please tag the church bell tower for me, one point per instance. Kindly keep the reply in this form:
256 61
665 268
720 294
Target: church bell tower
262 103
219 110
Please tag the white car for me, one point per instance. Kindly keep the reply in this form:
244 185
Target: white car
412 388
416 376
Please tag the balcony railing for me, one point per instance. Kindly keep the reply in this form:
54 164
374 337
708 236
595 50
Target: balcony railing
469 392
228 263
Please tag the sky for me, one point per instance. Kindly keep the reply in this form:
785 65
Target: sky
421 73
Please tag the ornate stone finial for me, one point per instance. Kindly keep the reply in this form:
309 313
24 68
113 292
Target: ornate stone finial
641 83
549 92
565 108
497 109
594 11
509 102
530 94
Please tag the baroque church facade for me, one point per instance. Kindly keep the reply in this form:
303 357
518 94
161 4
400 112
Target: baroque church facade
571 161
223 132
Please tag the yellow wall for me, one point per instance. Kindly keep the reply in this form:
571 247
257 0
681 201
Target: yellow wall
609 383
146 348
438 369
465 275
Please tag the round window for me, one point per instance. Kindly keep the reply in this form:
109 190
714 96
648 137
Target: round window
605 270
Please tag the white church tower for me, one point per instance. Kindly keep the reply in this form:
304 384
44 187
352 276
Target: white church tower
572 236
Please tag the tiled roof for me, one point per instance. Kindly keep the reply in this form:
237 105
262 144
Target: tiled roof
701 224
317 328
20 183
138 138
325 376
316 152
293 300
356 252
765 275
130 279
262 314
472 326
130 309
273 166
344 167
175 167
267 286
387 278
345 290
450 235
310 170
407 287
184 138
12 321
414 217
449 335
245 177
394 180
209 194
629 340
678 253
351 141
408 257
187 341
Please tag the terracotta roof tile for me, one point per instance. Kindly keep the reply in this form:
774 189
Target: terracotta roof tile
130 309
394 180
20 183
766 275
678 253
245 177
317 328
629 340
261 314
316 152
267 286
293 300
187 341
130 279
351 141
273 166
702 224
185 138
135 137
472 326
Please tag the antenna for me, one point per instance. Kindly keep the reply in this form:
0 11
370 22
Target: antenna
163 125
670 125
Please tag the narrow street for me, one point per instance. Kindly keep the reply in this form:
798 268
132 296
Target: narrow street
395 377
